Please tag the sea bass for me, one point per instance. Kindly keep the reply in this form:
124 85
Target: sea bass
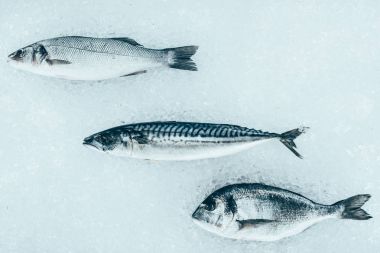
265 213
85 58
173 140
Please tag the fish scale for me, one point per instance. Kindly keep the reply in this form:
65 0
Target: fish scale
100 45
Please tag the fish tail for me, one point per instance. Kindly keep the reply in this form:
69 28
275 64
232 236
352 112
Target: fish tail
180 57
351 207
288 137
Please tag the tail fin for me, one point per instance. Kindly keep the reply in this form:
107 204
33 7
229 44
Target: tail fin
288 137
352 207
180 57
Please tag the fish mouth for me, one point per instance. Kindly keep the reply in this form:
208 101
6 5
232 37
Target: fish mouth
197 215
15 56
197 219
88 142
194 215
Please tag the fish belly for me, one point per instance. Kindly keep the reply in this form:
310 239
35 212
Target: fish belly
189 151
275 231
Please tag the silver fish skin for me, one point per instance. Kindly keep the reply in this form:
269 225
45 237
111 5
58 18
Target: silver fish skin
172 140
86 58
265 213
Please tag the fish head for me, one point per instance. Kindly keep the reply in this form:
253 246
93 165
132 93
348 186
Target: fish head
28 57
213 214
104 141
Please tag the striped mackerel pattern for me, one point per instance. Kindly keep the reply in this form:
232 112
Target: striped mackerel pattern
189 129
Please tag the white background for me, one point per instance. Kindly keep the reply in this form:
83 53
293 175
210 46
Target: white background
271 65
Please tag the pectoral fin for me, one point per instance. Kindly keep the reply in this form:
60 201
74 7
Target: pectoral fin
140 138
244 224
57 62
135 73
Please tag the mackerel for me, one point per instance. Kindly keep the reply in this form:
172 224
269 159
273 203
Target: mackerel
174 140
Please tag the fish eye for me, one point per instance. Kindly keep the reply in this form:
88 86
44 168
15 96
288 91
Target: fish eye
19 52
210 205
105 139
99 138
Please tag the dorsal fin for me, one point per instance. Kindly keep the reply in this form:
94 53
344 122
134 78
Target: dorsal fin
128 40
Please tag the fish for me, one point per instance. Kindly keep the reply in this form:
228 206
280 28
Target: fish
258 212
87 58
172 140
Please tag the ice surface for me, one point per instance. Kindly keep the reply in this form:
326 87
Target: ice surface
272 65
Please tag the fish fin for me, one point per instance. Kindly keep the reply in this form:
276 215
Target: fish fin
128 40
352 207
288 137
57 62
140 138
231 206
135 73
180 57
243 224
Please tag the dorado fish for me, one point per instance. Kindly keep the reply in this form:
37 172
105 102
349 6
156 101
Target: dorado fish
266 213
183 140
85 58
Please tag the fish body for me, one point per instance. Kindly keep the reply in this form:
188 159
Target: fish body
265 213
86 58
173 140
